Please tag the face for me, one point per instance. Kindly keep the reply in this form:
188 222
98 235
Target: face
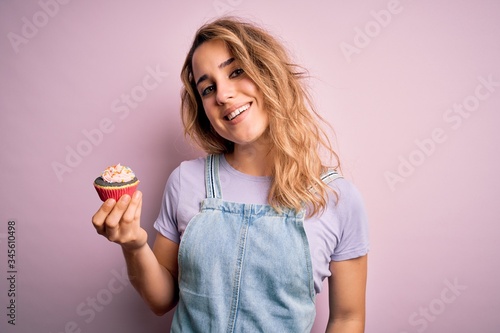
232 101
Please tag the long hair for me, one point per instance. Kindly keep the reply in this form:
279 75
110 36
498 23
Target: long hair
294 126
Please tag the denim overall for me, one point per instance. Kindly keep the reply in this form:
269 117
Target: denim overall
244 267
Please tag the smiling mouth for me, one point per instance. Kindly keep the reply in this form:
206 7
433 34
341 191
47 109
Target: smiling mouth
237 112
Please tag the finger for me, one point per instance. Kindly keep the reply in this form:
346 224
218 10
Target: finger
100 216
112 222
139 209
130 215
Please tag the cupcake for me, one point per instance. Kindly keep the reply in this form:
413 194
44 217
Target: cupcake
116 181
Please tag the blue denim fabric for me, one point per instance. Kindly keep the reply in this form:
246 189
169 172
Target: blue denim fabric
243 268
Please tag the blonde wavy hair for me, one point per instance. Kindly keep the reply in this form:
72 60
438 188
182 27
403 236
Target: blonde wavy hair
294 125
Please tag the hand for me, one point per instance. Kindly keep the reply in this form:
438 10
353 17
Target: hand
119 221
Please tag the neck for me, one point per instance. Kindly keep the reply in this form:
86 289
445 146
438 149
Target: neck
252 160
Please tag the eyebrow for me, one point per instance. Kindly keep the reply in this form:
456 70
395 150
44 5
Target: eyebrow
221 66
226 63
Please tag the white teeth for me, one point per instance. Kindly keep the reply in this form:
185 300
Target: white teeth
237 112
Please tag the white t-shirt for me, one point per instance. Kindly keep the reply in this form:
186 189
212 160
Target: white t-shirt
339 233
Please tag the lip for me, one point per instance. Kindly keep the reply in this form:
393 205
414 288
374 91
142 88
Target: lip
234 108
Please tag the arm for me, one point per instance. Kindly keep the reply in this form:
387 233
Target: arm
153 273
153 276
347 288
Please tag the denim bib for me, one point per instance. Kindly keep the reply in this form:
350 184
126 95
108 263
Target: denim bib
244 267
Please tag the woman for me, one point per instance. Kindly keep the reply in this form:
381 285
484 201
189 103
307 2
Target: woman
247 234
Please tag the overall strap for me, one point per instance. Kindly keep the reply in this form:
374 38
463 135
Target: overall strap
327 177
330 175
212 183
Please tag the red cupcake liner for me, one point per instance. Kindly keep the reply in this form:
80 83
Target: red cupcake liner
115 192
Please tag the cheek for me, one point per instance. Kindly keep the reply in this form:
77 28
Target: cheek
207 110
250 87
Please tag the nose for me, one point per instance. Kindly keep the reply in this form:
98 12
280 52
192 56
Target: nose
225 91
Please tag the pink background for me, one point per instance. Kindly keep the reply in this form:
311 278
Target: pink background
390 76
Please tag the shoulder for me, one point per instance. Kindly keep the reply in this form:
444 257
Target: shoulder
184 191
345 193
349 211
187 168
346 205
340 231
194 165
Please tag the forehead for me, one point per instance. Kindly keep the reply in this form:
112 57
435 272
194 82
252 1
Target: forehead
208 56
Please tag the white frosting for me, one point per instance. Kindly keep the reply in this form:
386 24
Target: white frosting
118 174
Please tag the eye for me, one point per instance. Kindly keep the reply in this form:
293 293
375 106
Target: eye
236 73
207 90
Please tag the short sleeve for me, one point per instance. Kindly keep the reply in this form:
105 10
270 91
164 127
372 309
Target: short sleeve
166 223
353 239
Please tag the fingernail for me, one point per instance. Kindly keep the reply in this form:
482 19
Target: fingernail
125 198
110 202
136 195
